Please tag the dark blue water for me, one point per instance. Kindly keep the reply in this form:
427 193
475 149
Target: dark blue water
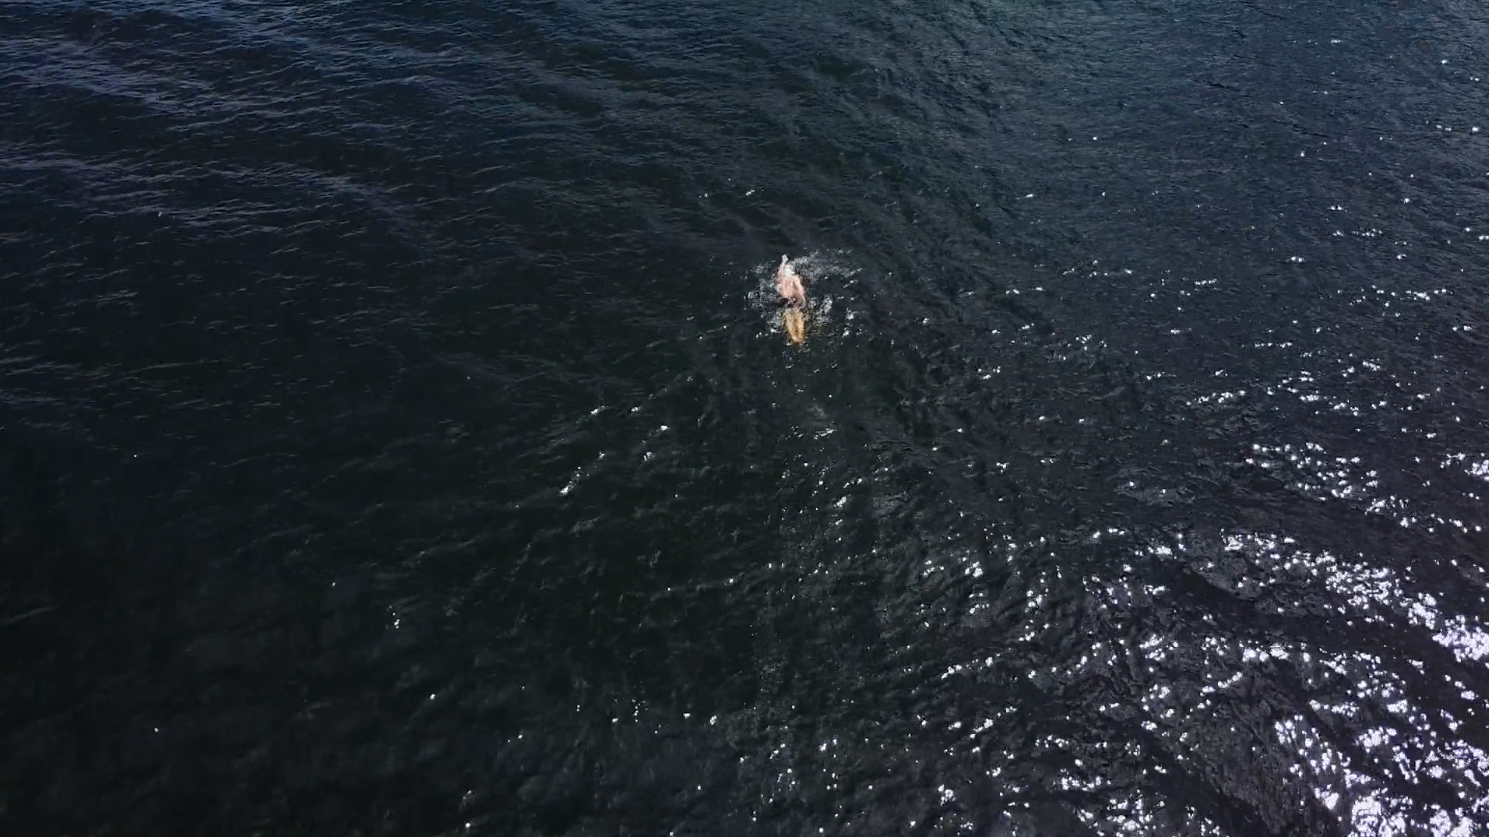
397 436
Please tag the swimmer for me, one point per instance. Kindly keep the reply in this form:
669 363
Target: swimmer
794 318
795 321
789 284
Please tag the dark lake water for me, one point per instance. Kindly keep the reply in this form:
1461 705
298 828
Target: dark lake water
397 435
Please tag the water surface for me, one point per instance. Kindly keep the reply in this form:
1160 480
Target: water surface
397 436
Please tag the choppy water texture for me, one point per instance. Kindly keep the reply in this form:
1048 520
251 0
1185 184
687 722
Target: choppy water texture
399 439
